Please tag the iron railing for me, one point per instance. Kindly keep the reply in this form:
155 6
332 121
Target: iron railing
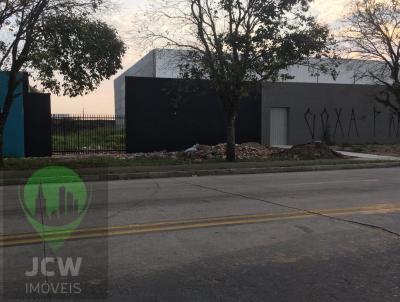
88 134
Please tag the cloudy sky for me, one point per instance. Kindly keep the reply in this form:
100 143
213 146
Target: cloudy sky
101 101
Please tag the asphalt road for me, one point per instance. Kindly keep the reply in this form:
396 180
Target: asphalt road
243 238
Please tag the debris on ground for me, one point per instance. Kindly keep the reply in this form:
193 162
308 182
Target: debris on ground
192 150
250 151
310 151
247 151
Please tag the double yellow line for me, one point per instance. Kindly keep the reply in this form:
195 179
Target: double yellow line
171 226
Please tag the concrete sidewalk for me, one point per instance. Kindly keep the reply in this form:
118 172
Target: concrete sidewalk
355 155
364 156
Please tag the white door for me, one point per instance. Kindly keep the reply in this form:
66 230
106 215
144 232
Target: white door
279 127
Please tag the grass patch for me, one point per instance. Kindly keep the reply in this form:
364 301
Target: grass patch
100 138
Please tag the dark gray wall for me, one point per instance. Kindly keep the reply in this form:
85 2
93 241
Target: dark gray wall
166 114
351 113
37 118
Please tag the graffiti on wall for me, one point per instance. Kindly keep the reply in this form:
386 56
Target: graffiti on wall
346 123
324 125
377 113
353 124
310 119
339 124
394 124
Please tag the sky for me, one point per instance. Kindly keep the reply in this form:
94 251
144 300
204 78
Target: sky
101 101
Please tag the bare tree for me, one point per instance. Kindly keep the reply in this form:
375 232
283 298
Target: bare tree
236 43
61 42
372 34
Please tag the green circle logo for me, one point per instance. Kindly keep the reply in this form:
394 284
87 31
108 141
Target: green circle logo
55 201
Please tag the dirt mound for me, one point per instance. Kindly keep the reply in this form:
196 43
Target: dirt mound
309 151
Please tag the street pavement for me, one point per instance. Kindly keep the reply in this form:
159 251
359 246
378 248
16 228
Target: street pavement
312 236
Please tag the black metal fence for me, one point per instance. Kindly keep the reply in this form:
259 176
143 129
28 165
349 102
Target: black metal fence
88 134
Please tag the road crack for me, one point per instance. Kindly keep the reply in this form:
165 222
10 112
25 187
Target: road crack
316 213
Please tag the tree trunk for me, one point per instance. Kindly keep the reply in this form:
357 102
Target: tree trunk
231 138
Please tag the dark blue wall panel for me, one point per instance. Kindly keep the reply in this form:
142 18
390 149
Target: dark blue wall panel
14 143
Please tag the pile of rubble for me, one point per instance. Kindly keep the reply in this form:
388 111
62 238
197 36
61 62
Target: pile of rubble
153 155
246 151
309 151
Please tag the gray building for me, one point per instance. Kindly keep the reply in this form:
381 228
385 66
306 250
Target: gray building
308 107
295 113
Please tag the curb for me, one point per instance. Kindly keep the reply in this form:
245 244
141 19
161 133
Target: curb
213 172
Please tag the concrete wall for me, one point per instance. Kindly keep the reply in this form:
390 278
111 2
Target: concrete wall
349 113
346 74
144 68
166 65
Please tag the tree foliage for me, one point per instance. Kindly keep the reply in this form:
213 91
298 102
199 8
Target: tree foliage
60 42
372 32
84 52
234 42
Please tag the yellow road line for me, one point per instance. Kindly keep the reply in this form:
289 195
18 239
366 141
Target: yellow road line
169 226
